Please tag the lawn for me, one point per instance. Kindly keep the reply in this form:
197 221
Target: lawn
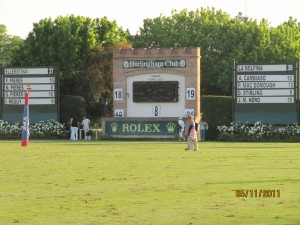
148 182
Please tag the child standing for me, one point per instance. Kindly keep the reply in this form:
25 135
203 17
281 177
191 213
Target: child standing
192 135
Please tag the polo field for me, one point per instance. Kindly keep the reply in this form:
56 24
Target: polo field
53 182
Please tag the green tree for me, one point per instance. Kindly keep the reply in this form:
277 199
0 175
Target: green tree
8 44
98 68
108 33
96 88
71 42
203 28
285 42
62 42
221 39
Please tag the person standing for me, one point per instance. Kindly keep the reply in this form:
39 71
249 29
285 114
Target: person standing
192 135
86 127
181 125
74 129
70 127
203 127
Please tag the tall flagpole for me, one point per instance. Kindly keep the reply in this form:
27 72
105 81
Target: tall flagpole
25 128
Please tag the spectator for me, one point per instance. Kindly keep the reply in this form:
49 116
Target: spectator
74 129
203 127
86 127
181 126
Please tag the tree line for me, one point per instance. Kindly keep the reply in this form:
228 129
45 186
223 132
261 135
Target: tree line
82 47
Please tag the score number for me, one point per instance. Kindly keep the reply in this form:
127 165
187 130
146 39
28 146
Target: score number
119 113
289 67
156 110
50 70
118 94
188 112
190 93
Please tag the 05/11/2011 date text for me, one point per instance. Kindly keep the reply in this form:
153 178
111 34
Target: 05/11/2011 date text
257 193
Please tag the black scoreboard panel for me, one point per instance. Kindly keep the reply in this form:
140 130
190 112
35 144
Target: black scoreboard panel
155 91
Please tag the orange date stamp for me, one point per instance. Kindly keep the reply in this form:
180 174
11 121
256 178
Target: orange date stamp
257 193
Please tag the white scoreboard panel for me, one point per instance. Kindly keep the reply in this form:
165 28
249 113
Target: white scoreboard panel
43 95
266 93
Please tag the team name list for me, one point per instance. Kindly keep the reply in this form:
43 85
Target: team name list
273 86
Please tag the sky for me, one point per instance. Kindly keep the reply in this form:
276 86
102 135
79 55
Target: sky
19 15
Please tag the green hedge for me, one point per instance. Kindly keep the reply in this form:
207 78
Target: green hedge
216 111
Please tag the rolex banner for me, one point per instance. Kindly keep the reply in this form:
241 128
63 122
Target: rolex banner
141 127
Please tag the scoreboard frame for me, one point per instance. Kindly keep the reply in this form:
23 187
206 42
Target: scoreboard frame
266 93
43 97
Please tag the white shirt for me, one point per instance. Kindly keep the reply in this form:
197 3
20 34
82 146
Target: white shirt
86 123
181 123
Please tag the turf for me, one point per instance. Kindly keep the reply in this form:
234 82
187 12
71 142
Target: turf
148 182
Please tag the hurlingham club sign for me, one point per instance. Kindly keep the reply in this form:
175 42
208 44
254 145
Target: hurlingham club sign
147 64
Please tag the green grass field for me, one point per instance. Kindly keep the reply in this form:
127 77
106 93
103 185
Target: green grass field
155 183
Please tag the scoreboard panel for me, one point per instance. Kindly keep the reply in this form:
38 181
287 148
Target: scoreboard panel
43 95
266 93
155 91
